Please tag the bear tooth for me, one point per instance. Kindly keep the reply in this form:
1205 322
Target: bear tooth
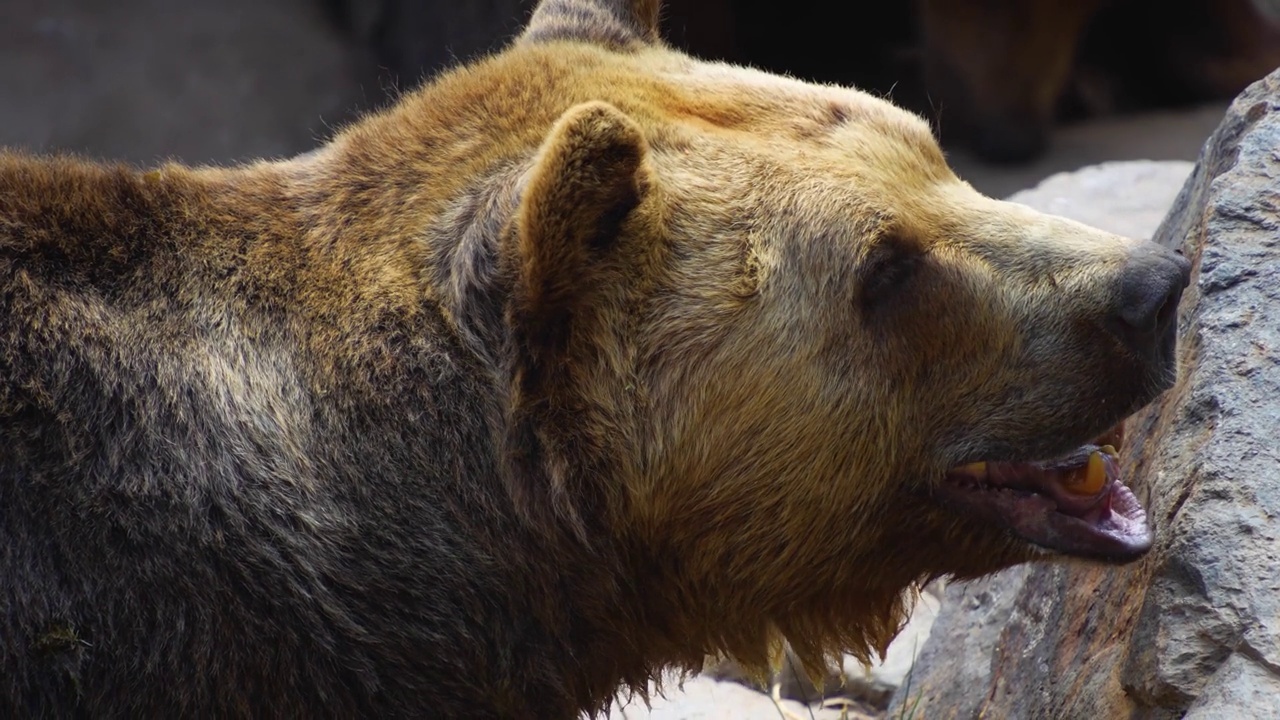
1096 476
1089 482
1109 450
976 469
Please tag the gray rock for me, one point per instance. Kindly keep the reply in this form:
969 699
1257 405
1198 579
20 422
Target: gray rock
1194 629
963 635
1240 683
1127 198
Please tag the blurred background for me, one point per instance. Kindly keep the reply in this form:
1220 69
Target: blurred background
1017 89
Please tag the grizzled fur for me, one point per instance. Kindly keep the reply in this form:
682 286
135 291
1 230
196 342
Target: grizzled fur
582 362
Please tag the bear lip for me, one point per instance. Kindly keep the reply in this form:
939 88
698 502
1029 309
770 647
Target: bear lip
1035 501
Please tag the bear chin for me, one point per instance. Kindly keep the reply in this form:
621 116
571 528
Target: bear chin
1075 504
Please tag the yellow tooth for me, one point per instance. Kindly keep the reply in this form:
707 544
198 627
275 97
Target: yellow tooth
977 469
1095 476
1090 480
1109 450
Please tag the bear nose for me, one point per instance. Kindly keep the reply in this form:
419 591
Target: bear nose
1151 284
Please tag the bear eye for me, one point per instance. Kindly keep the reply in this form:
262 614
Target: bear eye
885 273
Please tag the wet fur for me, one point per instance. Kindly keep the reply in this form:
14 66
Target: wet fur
559 373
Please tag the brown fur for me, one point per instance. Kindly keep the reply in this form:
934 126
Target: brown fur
582 362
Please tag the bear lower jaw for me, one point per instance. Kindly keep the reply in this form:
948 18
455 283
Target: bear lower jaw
1075 505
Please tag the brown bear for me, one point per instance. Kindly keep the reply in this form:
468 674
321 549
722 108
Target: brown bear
580 363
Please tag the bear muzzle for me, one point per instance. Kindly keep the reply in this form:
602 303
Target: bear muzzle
1076 504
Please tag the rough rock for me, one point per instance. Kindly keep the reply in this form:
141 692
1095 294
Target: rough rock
1192 630
1127 198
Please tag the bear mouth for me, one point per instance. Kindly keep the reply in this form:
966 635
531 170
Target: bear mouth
1075 504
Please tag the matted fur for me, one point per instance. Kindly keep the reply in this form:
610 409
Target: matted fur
580 363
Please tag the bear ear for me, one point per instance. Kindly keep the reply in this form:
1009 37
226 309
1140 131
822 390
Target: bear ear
613 23
586 180
565 249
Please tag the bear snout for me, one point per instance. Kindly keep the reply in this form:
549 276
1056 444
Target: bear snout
1145 313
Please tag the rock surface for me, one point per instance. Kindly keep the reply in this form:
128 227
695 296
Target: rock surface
1127 198
1193 630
